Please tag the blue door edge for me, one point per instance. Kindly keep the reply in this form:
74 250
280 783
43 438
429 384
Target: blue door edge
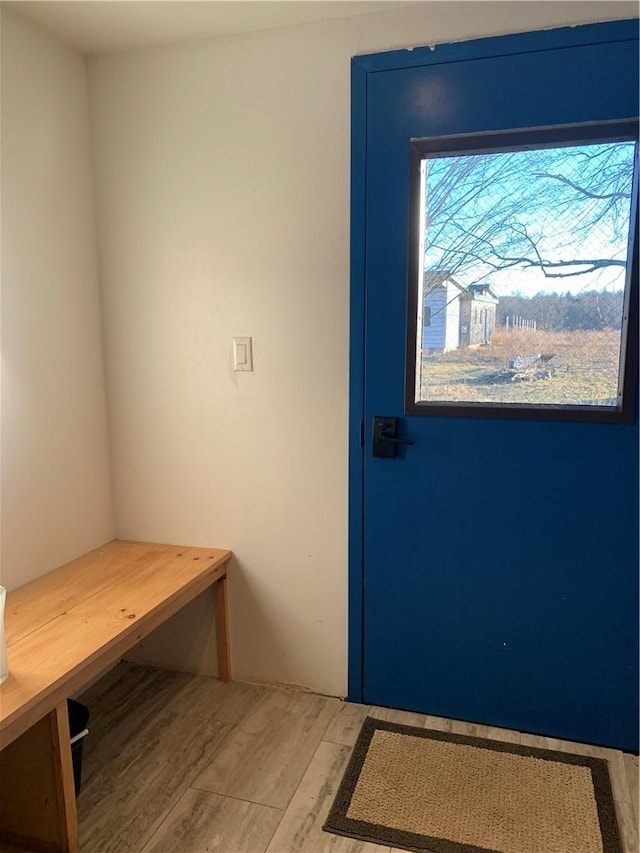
500 45
356 381
361 67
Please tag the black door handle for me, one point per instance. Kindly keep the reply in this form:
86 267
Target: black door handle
385 438
393 440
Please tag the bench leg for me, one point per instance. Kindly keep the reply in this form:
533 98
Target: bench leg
222 630
36 787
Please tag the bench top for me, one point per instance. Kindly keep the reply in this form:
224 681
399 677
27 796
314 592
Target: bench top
67 626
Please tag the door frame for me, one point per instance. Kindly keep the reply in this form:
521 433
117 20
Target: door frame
361 68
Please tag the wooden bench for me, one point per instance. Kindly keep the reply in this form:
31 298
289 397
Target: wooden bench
62 631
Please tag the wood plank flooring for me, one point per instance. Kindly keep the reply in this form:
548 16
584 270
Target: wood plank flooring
177 763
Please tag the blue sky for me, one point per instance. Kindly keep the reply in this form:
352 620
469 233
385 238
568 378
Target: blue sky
536 193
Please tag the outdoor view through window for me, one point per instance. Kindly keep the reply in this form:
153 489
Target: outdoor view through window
522 286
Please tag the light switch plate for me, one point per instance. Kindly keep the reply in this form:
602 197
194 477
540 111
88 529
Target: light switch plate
242 354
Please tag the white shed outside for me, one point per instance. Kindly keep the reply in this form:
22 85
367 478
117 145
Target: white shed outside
441 312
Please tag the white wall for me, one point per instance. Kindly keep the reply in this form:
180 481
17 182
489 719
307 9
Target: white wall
222 172
56 498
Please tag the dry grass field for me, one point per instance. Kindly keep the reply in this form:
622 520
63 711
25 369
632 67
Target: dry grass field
582 368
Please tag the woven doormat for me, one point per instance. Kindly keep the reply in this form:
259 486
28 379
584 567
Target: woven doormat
436 792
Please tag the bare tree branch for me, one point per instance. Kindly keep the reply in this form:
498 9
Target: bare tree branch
482 210
582 190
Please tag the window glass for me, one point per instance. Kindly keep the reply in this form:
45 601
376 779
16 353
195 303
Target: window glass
523 280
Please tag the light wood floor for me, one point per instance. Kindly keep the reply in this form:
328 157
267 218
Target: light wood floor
184 763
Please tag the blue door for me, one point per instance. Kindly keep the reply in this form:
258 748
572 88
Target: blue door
494 562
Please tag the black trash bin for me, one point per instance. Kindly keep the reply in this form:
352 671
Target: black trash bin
78 722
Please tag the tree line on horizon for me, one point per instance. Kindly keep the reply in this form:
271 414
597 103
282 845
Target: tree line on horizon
587 310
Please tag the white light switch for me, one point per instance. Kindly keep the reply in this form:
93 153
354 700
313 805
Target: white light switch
242 356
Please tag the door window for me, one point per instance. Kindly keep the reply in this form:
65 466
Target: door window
520 282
